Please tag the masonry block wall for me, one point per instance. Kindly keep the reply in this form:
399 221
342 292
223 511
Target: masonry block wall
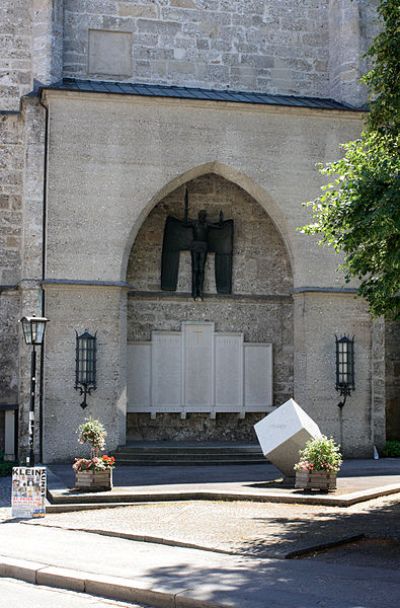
295 47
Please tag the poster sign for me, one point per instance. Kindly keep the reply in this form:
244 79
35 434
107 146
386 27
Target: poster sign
28 492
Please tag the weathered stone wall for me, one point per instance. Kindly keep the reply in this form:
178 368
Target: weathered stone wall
114 157
11 181
196 427
31 40
9 315
378 382
11 186
98 309
2 424
253 45
318 317
15 57
352 26
31 43
392 386
47 40
293 47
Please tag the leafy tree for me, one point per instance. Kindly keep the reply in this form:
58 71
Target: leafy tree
358 212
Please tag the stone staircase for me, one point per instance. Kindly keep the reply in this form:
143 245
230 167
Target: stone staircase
158 453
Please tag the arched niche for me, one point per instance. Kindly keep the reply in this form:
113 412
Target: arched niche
230 174
260 306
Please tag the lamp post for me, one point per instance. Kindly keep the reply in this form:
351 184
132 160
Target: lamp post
33 329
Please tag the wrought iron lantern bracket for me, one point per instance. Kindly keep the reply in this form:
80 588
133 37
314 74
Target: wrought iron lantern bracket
85 365
344 368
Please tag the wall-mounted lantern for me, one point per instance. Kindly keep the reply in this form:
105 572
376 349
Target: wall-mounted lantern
344 367
33 329
85 370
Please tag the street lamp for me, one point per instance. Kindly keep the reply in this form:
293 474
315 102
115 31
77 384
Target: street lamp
33 329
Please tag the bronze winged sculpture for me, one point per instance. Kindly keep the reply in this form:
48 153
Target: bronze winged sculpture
200 237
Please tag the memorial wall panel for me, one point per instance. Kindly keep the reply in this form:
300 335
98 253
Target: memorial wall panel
228 371
166 375
199 370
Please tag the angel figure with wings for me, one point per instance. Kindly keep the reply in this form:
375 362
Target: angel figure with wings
200 237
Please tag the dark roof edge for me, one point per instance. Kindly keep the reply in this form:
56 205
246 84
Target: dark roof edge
180 92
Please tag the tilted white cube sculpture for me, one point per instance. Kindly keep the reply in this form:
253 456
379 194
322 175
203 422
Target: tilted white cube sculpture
283 433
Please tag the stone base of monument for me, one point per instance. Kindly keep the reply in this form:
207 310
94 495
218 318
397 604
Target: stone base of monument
283 433
324 481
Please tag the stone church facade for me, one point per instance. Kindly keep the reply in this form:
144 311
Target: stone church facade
109 110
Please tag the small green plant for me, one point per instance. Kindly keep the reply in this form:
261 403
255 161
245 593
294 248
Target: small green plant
321 454
391 449
93 433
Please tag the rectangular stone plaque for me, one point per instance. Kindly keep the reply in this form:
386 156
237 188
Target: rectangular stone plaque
139 376
257 376
110 52
166 374
228 372
199 370
198 366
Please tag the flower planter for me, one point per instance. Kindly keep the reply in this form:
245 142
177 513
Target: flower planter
316 480
94 481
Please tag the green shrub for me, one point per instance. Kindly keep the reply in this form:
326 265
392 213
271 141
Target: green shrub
391 449
321 454
93 433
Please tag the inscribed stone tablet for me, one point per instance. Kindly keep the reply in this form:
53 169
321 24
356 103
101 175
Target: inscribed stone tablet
139 366
228 371
166 369
258 375
198 365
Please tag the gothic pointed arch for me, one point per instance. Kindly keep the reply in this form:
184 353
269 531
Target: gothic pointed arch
230 174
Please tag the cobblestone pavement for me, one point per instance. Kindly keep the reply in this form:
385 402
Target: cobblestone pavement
258 529
263 530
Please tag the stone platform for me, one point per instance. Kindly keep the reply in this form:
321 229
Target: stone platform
359 480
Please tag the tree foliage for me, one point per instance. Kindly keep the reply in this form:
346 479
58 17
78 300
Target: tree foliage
358 212
383 80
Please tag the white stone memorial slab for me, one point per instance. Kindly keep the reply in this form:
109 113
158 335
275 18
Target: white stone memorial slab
198 366
257 376
283 433
166 370
139 376
199 370
228 371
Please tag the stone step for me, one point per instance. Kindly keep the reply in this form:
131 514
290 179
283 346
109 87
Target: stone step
189 454
192 450
189 462
228 453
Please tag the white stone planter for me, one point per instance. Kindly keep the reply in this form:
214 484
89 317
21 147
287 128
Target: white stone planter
94 481
316 480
